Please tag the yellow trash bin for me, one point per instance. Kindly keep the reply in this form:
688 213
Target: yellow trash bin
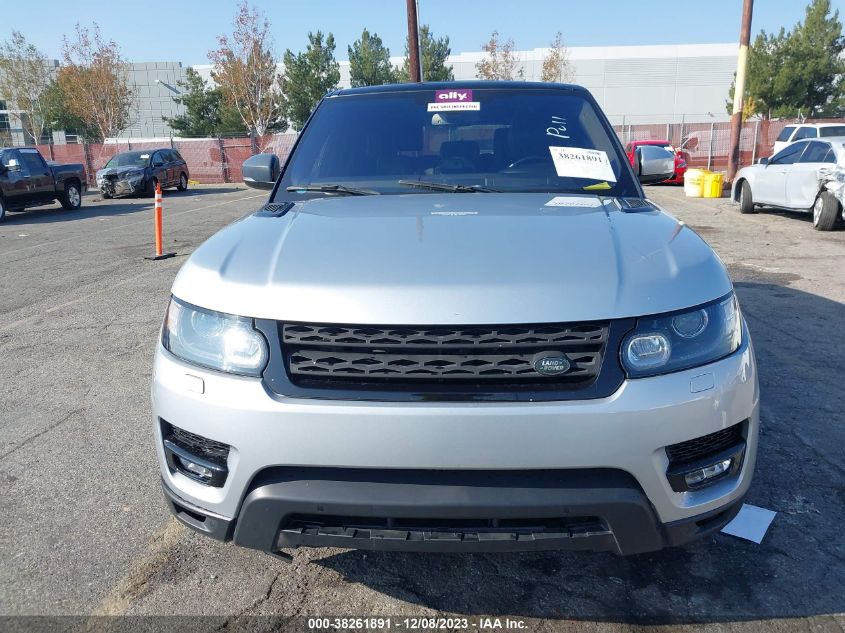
694 182
713 185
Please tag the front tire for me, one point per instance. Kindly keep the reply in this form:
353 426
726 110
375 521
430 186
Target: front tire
746 202
826 211
71 199
183 182
151 187
2 210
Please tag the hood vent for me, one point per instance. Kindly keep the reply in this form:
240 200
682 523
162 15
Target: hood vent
275 209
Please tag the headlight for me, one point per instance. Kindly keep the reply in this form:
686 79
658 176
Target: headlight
214 340
672 342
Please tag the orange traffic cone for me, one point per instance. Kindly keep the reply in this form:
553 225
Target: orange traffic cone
160 254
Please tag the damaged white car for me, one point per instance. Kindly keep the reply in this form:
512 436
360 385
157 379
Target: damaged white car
806 176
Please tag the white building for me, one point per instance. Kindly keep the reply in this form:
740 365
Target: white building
640 84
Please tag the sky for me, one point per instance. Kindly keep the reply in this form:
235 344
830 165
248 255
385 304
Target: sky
152 32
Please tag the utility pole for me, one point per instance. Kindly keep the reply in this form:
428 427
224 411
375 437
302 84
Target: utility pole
413 41
739 88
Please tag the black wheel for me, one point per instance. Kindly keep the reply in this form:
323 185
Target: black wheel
72 197
746 202
183 182
107 196
826 212
2 210
151 187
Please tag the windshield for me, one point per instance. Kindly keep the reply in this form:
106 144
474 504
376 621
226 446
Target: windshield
530 140
129 159
785 133
834 130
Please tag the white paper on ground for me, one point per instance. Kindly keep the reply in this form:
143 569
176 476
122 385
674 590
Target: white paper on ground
577 162
750 523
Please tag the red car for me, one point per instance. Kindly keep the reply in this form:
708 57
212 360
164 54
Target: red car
680 158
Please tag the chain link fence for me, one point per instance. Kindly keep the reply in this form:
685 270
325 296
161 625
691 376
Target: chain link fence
210 160
707 145
220 160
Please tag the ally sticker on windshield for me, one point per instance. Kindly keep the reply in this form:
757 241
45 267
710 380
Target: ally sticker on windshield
452 100
576 162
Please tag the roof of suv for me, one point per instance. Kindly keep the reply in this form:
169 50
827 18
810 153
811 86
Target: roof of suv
446 85
815 125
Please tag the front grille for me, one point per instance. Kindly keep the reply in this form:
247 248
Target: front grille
445 529
211 450
337 355
705 445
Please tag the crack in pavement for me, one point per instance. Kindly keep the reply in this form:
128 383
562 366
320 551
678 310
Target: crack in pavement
47 429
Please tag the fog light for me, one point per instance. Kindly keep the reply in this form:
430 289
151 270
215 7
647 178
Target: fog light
193 467
700 475
194 456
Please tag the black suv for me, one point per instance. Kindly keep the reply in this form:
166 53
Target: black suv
135 172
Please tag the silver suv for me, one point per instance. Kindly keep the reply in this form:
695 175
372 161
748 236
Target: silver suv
457 325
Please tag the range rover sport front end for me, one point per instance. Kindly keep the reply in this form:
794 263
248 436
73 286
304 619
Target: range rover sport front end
456 325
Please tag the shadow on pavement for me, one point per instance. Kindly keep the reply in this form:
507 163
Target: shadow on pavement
798 570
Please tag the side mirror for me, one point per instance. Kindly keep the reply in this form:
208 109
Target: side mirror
653 164
763 161
261 171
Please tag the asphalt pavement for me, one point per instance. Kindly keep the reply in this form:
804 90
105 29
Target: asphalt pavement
85 532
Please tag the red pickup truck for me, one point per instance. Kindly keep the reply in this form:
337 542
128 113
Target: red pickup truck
27 180
680 158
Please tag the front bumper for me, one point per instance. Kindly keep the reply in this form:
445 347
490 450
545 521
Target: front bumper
288 456
121 187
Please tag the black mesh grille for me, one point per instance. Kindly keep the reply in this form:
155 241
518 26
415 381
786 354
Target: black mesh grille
213 451
330 354
469 530
704 446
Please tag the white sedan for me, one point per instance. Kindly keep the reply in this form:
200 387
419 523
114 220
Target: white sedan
806 176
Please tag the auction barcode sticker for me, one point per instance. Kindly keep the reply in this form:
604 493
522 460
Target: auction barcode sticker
577 162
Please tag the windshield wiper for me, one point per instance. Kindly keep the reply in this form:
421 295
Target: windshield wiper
328 188
444 186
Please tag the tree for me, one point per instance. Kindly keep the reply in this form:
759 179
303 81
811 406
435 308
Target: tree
433 55
556 66
207 113
308 76
369 62
25 76
501 62
93 83
245 71
814 53
797 72
59 117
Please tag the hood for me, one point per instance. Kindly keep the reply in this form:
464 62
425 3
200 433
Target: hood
453 259
120 172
